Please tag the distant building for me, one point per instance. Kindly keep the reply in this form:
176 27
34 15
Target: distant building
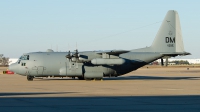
191 61
12 60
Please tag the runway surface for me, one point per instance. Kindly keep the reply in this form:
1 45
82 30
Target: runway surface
147 89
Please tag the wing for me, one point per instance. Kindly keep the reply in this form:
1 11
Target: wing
113 52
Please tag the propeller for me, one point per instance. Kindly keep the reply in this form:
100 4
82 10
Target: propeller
69 56
73 57
76 54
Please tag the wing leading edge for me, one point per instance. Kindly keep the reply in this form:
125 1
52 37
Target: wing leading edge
113 52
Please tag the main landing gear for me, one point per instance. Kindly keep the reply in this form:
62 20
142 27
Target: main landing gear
30 78
81 78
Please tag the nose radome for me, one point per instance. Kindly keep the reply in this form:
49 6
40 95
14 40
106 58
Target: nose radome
13 67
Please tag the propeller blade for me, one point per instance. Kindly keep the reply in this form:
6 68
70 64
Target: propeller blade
69 56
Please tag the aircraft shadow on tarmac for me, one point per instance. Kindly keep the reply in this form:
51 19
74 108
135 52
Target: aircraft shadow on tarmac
185 103
152 78
132 78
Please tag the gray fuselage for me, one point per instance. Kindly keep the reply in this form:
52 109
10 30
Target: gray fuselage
41 64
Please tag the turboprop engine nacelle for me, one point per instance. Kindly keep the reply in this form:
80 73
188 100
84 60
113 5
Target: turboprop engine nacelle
101 61
83 58
80 58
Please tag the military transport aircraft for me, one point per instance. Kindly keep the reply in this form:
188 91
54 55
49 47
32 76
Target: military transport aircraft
96 65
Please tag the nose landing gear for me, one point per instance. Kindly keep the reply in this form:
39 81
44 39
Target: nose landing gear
30 78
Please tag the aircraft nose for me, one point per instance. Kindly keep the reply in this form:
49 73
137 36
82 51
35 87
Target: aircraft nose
13 67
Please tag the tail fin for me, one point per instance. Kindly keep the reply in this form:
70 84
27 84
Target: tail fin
169 36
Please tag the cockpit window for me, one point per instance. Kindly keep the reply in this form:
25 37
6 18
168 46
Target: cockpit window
24 57
23 64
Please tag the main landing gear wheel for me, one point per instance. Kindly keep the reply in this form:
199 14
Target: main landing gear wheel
81 78
30 78
95 79
89 79
98 78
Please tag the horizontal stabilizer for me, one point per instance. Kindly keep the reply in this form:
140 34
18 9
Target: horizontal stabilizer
176 54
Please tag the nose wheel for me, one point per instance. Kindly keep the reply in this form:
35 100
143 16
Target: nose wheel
30 78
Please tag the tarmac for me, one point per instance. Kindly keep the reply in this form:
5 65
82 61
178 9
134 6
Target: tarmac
152 89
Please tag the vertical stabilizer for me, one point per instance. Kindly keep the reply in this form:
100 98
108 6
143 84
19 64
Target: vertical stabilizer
169 36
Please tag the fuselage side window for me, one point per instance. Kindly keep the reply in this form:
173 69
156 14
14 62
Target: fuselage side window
23 64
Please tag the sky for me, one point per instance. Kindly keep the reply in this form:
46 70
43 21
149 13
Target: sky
88 25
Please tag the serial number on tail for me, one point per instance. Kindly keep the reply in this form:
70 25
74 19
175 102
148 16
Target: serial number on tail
170 45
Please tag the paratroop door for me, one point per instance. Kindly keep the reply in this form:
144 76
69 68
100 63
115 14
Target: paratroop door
40 70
